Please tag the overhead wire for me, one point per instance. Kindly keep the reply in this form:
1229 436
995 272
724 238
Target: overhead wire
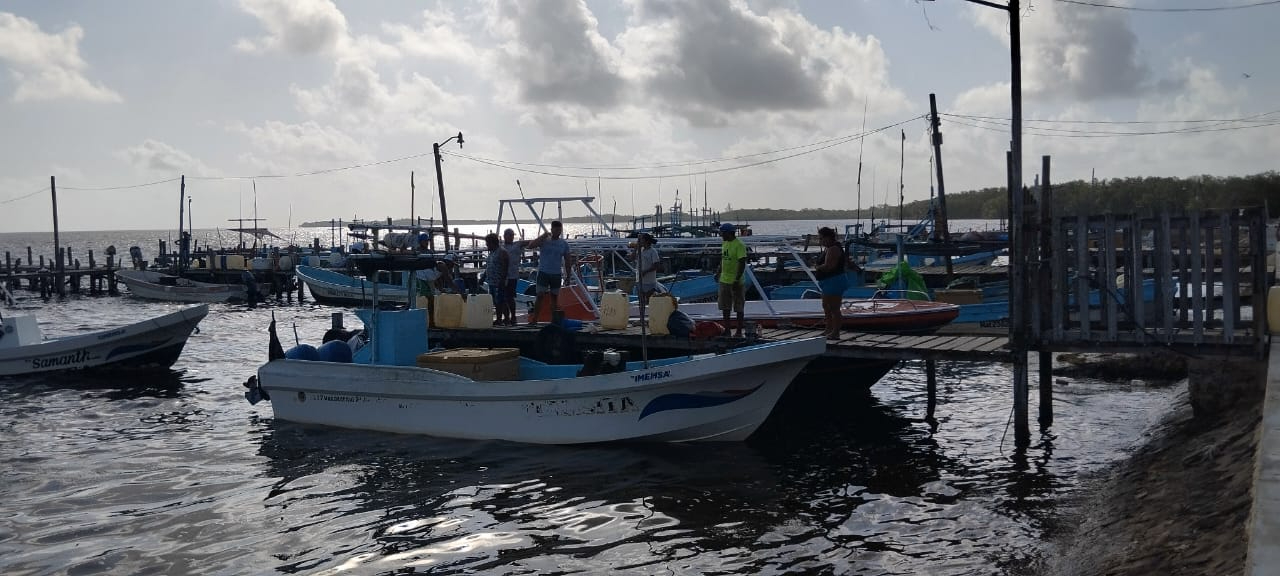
24 196
1190 9
804 150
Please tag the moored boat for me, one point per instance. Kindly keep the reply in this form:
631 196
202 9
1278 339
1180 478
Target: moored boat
157 286
335 288
151 344
708 397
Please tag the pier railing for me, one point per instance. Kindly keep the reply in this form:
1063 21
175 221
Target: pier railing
1119 281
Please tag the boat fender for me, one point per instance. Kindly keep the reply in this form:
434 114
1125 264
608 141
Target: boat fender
302 352
334 351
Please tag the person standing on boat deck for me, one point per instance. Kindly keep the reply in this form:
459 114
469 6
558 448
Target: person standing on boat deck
495 274
831 280
515 251
553 252
733 264
648 270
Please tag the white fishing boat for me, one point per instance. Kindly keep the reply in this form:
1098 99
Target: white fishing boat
334 288
707 397
154 343
157 286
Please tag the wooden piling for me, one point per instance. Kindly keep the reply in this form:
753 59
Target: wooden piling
931 387
1045 358
53 194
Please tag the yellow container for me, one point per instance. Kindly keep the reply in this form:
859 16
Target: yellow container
475 363
615 309
1273 310
659 310
448 312
478 311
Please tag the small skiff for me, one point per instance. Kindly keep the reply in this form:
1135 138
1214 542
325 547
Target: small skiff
150 344
156 286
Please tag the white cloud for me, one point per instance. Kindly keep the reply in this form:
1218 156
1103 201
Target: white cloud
281 148
1074 52
296 26
710 62
158 157
440 38
552 53
47 66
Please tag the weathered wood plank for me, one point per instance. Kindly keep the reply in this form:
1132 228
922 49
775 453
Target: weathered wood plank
1058 263
1164 278
1108 275
1230 288
1197 281
1133 281
1183 292
1082 276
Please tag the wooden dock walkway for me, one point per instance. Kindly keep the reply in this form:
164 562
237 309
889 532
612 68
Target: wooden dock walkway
951 347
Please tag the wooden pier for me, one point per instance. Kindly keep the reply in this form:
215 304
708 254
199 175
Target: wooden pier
60 275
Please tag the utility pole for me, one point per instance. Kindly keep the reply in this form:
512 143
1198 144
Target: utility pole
444 215
940 230
413 192
902 165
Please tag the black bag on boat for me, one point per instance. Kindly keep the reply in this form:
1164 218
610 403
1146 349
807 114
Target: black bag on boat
680 324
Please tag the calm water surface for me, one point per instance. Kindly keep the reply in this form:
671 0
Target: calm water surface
179 475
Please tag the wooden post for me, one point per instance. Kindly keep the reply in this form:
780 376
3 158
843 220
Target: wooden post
1230 286
1045 360
1133 280
1258 255
1183 275
8 264
1197 279
1164 273
29 258
931 387
92 264
1107 278
1018 304
1082 276
57 246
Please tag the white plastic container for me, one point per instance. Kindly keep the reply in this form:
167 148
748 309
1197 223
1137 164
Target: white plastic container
478 311
260 264
448 312
313 261
659 310
286 263
614 310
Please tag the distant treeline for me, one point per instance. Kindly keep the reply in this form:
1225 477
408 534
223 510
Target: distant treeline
1147 194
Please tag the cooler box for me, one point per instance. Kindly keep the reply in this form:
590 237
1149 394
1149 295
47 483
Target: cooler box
483 364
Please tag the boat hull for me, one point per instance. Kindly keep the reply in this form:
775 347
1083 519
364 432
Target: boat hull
146 284
714 398
336 289
152 344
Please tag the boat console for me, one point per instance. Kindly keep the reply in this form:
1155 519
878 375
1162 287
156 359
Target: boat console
18 331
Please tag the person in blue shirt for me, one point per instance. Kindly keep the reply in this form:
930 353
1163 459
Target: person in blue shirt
554 267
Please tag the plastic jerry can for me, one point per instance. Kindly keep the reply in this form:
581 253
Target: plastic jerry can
614 310
659 310
478 311
448 312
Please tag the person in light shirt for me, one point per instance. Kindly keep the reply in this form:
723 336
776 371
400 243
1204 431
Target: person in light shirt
555 266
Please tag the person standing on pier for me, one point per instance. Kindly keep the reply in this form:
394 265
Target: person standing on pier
553 253
515 251
831 280
495 275
733 264
648 271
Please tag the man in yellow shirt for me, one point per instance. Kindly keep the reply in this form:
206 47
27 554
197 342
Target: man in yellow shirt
733 263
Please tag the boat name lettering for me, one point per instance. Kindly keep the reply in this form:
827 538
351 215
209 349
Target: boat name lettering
1001 323
583 407
77 357
652 376
338 398
113 333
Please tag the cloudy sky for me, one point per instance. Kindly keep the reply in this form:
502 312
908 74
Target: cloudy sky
759 103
